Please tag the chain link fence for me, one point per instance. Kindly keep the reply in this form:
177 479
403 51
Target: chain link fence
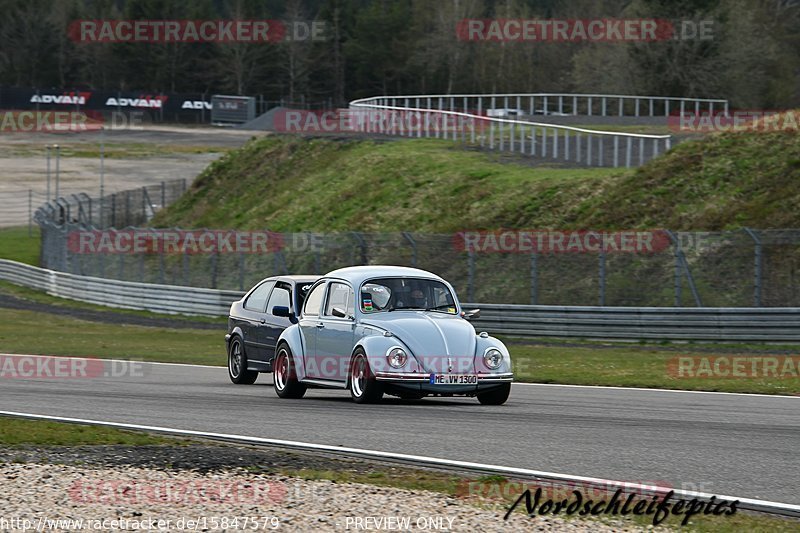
125 208
759 268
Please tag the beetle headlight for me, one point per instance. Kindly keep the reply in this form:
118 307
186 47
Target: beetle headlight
396 357
493 358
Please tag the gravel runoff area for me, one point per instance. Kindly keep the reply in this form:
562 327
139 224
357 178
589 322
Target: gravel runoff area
24 167
206 488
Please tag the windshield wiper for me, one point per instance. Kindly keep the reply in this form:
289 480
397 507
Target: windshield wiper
400 308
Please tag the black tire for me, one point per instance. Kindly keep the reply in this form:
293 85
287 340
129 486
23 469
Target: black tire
284 376
364 388
496 396
237 363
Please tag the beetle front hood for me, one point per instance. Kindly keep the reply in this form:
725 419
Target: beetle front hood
431 337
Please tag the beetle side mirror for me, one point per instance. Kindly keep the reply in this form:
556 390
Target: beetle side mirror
472 313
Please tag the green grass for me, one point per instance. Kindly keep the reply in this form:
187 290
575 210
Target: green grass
722 181
27 332
299 184
15 244
632 366
21 432
32 295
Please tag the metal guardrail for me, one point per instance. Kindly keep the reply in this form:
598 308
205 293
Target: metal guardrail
620 323
504 122
642 323
122 294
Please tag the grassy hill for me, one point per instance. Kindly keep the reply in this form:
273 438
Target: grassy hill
295 184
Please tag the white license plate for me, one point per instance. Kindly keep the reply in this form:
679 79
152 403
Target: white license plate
454 379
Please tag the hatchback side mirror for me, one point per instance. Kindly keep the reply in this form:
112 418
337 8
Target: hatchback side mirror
472 313
281 310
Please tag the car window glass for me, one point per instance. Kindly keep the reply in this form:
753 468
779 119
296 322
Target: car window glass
314 300
279 296
340 296
258 298
302 292
374 296
389 294
442 297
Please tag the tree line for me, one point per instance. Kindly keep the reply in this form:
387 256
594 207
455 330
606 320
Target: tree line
372 47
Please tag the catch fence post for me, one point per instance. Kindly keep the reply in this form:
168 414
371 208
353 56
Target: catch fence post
214 261
241 270
470 275
408 237
602 279
758 265
678 289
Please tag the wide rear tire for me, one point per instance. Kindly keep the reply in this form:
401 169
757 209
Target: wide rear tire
237 363
496 396
364 388
284 375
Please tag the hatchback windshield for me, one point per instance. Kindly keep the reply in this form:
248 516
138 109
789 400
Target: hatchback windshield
392 294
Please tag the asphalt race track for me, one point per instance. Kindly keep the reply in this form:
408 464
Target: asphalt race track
737 445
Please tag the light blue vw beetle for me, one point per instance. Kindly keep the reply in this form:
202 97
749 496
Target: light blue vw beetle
387 329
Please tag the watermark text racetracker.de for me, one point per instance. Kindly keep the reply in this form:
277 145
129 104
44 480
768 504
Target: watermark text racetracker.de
409 122
598 30
561 241
195 31
754 120
169 241
68 121
92 491
734 366
53 367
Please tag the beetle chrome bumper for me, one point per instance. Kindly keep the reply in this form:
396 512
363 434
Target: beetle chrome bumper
418 377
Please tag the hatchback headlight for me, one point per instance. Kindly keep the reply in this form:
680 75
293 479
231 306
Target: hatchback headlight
493 358
396 357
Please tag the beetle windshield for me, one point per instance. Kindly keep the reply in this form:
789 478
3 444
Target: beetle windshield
394 294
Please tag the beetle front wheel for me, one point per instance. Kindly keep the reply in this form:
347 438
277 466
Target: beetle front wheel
496 396
364 388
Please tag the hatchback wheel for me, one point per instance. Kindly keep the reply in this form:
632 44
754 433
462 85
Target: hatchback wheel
364 388
237 364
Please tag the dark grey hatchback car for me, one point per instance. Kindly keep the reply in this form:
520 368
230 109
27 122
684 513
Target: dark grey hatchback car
256 321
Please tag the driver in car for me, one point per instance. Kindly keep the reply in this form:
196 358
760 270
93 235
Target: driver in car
413 298
418 299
